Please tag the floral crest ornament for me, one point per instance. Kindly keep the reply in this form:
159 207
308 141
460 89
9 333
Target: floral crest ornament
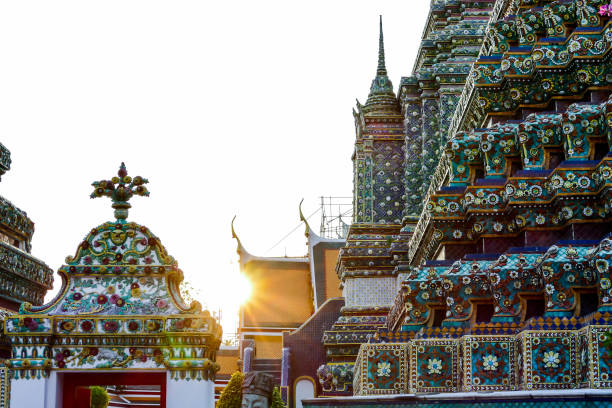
120 190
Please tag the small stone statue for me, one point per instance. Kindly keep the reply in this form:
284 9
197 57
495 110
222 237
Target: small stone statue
257 390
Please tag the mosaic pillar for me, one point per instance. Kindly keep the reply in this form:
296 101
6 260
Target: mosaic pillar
284 385
594 360
413 179
448 104
388 187
431 140
246 359
363 183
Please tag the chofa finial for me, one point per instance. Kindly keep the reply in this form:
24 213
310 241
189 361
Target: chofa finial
120 190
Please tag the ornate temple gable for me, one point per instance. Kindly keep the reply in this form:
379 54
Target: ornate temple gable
119 306
23 278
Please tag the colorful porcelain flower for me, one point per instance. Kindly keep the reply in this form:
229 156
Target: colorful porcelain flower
434 366
66 325
490 362
384 369
102 299
551 359
30 323
111 326
152 325
86 325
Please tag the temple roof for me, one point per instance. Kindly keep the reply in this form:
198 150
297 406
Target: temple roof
246 256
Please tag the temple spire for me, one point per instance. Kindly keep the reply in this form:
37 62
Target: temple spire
382 69
381 97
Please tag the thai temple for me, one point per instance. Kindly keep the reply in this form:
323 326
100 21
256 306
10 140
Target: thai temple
476 271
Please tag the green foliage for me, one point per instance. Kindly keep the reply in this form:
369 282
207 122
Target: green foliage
277 401
99 397
231 397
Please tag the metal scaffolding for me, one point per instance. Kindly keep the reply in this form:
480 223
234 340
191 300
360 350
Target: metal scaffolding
336 216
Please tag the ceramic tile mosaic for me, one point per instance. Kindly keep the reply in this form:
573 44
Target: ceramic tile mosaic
548 359
381 369
369 291
489 363
434 365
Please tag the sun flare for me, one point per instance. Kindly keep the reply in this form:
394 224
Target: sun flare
243 289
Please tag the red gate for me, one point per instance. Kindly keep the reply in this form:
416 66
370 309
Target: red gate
76 395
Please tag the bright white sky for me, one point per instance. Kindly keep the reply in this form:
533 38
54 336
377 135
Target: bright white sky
227 107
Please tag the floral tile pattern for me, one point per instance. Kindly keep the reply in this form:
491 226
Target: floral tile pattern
434 365
382 369
549 359
489 363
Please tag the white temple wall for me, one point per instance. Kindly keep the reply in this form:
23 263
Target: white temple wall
29 393
189 394
37 393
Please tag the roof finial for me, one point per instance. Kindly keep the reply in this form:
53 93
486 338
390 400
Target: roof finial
120 189
304 219
382 69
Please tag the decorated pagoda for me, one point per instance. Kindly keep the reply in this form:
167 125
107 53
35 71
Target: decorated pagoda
397 145
23 278
477 268
118 320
